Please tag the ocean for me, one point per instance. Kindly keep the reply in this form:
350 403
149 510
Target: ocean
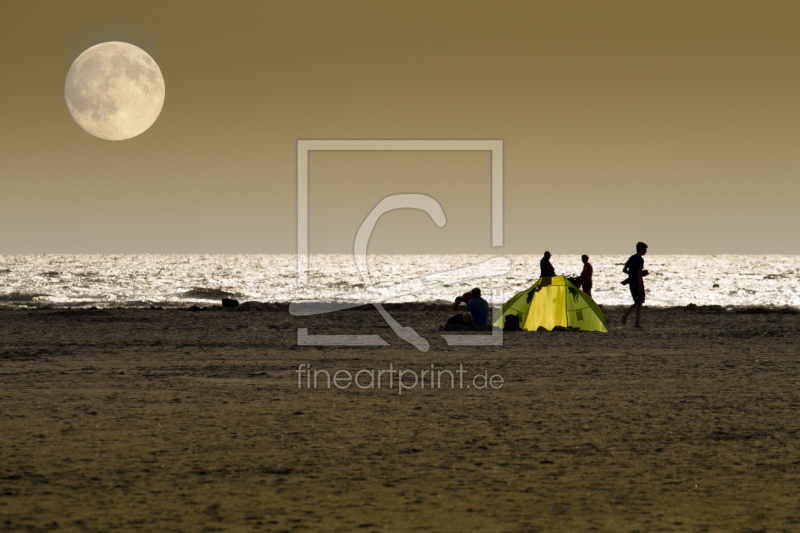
28 281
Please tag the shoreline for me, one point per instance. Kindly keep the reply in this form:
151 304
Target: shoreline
252 305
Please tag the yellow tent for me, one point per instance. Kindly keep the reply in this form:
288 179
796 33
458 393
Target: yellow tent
551 302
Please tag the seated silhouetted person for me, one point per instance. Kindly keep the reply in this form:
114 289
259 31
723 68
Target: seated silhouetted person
547 268
478 308
462 299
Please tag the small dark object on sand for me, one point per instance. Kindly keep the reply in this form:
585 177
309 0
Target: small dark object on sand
229 302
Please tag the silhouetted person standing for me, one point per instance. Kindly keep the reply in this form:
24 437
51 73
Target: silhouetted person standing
586 275
547 268
633 268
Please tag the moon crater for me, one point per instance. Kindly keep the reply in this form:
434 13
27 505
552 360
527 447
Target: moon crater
114 91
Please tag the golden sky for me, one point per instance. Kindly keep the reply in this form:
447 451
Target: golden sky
676 123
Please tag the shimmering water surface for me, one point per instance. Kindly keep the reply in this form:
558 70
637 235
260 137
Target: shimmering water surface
184 280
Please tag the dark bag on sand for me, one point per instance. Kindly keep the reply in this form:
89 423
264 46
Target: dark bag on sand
511 323
456 323
626 281
456 319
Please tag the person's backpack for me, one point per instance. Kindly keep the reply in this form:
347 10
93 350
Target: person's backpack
511 323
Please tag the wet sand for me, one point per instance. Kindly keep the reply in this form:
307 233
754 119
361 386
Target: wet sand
177 420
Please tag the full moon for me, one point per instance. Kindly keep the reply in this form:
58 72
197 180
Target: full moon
114 91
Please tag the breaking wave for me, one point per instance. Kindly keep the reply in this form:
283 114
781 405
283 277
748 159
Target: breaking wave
202 293
21 297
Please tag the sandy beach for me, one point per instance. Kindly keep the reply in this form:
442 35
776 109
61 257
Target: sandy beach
179 420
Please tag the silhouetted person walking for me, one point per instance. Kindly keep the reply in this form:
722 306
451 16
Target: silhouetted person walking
586 275
547 268
633 268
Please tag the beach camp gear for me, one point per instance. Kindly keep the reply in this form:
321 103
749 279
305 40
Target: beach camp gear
511 323
553 302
